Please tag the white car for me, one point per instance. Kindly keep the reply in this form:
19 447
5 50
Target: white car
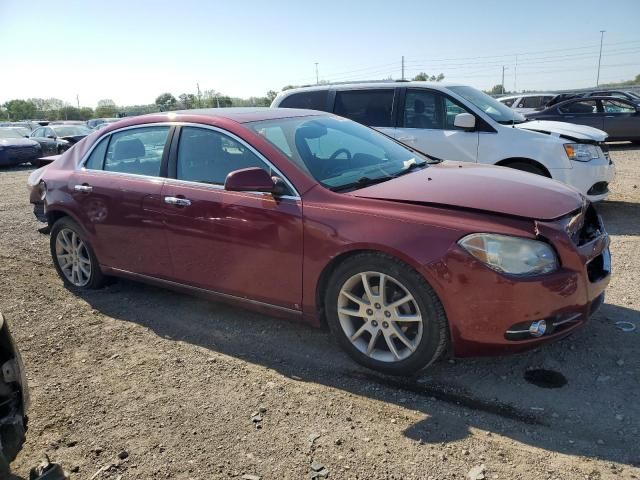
527 102
456 122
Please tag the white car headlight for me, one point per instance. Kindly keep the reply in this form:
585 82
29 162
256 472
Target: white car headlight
582 152
511 255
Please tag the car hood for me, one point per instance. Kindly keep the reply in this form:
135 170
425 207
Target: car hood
17 142
480 187
570 131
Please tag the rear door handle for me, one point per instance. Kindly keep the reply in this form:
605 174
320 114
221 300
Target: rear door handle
83 188
180 202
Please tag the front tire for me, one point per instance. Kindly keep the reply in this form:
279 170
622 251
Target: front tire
385 314
73 257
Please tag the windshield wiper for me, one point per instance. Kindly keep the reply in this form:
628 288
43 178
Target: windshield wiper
410 167
362 182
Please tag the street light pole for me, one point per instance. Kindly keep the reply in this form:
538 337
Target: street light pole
600 57
317 77
503 69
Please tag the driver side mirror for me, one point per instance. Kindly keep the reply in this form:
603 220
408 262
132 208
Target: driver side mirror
250 180
465 121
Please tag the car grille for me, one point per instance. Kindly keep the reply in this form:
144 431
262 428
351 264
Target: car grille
584 226
23 153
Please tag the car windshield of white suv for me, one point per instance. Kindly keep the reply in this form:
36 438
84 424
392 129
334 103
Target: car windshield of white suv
492 107
340 154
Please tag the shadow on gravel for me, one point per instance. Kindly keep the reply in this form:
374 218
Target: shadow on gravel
455 395
622 146
620 218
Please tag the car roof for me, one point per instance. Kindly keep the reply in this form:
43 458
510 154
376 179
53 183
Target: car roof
240 114
524 95
372 85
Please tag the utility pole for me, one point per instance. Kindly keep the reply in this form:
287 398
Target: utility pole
78 100
199 95
515 76
403 67
600 57
503 69
317 77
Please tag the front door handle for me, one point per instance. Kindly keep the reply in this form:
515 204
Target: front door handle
180 202
83 188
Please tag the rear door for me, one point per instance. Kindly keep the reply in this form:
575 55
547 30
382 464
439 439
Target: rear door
621 120
426 122
118 190
582 112
244 244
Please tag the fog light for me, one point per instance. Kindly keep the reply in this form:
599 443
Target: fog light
538 328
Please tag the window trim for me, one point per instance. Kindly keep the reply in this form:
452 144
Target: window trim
173 161
171 148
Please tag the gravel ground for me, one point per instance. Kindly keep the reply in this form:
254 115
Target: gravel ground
137 382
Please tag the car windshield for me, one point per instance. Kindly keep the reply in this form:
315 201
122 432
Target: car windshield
71 130
340 154
634 95
492 107
10 133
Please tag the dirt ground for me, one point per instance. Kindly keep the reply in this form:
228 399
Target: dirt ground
170 383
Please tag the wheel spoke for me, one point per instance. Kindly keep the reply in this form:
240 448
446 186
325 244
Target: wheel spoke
402 301
84 270
391 345
412 317
359 332
372 342
352 313
367 287
381 287
403 338
354 299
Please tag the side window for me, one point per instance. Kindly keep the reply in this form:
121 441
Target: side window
531 102
276 136
137 151
508 102
584 106
369 107
96 159
313 100
37 132
423 109
451 109
48 132
208 156
616 106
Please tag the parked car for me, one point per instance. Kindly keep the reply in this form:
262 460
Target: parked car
95 122
616 116
107 122
56 138
14 399
625 95
314 217
15 148
455 122
527 102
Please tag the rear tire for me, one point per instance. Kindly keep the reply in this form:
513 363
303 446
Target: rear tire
73 256
399 331
527 167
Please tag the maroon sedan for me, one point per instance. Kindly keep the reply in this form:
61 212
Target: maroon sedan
310 216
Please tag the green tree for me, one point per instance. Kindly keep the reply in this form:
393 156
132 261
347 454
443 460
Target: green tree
86 113
106 108
424 77
188 100
69 112
271 95
166 101
497 90
20 109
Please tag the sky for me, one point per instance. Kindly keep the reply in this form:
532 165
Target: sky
131 51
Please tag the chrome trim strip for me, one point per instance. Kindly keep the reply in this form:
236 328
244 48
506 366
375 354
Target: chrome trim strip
516 331
567 320
215 186
82 162
205 291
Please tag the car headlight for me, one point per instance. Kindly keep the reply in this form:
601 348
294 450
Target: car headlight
511 255
582 152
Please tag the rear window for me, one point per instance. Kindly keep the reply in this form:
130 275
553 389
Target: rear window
312 100
507 101
369 107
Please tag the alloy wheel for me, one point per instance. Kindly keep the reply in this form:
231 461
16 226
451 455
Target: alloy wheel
379 316
73 257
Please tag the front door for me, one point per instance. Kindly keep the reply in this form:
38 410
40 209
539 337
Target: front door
427 124
582 112
621 120
118 191
245 244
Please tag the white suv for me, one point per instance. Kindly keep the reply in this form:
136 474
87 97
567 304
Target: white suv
527 102
456 122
